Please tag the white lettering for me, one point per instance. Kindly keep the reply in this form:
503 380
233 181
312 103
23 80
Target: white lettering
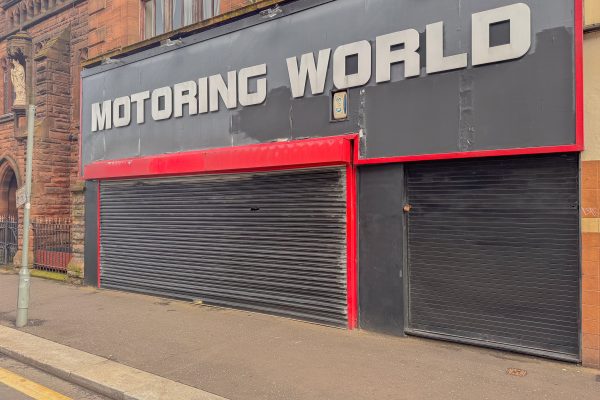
436 61
166 94
249 86
202 95
385 56
227 91
185 93
519 17
244 96
121 119
102 116
360 49
316 74
139 99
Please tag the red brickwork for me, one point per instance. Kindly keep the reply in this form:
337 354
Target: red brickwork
58 43
64 33
590 199
230 5
113 24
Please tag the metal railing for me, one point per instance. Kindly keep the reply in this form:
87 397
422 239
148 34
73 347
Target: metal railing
52 248
9 234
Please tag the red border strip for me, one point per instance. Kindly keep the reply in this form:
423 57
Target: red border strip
268 156
579 79
79 163
98 242
352 270
471 154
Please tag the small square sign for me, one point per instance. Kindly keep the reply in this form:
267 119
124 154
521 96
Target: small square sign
340 105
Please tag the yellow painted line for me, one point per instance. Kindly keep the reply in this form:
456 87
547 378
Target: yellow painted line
29 388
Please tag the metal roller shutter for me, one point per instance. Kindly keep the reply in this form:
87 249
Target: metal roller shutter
494 252
272 242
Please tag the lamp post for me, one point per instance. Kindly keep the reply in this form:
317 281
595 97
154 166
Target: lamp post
24 275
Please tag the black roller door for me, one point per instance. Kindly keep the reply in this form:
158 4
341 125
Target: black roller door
494 252
272 242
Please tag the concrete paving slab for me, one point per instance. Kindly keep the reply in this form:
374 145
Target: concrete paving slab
45 380
103 376
55 359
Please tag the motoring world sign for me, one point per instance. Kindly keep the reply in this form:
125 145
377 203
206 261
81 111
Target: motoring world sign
424 77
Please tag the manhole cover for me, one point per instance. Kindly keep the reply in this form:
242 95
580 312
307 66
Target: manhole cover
516 372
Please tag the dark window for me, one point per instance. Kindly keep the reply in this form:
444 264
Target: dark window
161 16
184 12
148 19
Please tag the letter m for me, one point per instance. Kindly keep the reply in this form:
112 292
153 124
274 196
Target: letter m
101 116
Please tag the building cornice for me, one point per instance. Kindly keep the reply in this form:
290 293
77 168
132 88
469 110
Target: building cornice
41 17
9 3
260 5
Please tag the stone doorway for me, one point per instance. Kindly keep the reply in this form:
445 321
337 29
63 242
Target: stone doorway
8 191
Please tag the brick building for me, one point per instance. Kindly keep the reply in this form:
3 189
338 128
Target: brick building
51 39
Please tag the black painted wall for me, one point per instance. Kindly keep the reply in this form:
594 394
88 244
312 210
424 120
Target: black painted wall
91 233
381 244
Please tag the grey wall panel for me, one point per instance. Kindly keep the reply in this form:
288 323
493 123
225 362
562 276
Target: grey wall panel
271 242
494 252
91 233
527 102
380 241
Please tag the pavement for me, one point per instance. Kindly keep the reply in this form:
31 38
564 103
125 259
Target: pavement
19 381
96 373
241 355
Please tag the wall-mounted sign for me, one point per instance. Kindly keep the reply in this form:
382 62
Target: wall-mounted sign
204 94
430 77
340 105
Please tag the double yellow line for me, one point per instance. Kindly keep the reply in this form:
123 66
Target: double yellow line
29 388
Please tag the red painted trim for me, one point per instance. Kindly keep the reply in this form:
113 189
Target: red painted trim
579 83
98 236
352 271
79 166
333 150
472 154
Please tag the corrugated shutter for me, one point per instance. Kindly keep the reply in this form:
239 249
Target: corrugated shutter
272 242
494 252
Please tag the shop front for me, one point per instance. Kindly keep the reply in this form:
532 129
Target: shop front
416 174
